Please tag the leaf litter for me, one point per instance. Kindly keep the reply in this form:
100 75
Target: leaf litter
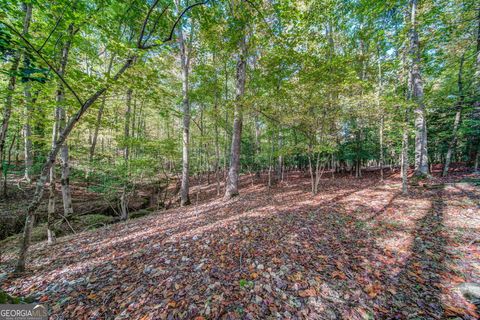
357 250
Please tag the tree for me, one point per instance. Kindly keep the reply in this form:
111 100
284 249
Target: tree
416 84
7 108
63 135
231 189
185 55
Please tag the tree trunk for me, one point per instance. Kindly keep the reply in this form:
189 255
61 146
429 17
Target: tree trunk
382 115
7 165
7 109
231 189
225 151
62 120
312 173
126 134
52 181
59 124
37 197
456 123
185 65
280 158
124 204
476 104
382 160
404 163
358 160
217 152
100 115
65 176
421 151
27 132
257 146
318 174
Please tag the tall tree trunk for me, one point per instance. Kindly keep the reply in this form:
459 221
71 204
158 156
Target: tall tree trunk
52 181
217 151
231 189
225 151
382 158
7 165
456 123
27 132
59 123
62 120
126 132
257 146
404 162
100 115
185 65
476 105
382 115
280 158
126 154
421 151
217 145
358 158
7 108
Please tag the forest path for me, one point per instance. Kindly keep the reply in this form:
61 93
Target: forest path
357 249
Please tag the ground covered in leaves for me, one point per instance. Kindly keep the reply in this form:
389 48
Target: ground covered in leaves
357 250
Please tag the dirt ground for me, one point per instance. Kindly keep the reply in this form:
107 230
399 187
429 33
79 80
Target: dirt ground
358 250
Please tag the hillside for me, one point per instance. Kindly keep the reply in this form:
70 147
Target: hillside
356 250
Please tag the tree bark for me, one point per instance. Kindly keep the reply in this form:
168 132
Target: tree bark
257 146
62 120
404 163
456 123
382 158
27 132
231 189
358 158
382 115
99 115
126 134
280 158
476 104
217 144
7 165
217 152
185 66
52 181
416 84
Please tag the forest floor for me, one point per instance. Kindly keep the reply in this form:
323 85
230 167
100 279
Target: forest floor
357 250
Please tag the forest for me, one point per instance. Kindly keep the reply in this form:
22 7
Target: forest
240 159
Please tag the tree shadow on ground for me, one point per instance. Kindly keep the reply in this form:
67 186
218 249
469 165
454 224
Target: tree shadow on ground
417 288
303 258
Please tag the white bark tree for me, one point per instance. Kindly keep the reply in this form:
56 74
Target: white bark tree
416 85
231 189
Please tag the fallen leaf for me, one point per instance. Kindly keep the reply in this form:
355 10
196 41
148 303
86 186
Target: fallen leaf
339 274
310 292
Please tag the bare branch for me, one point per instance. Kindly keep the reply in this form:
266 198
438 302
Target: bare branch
77 97
145 22
51 32
155 25
170 36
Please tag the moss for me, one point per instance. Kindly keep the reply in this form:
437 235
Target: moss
474 181
139 213
6 298
91 221
39 232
